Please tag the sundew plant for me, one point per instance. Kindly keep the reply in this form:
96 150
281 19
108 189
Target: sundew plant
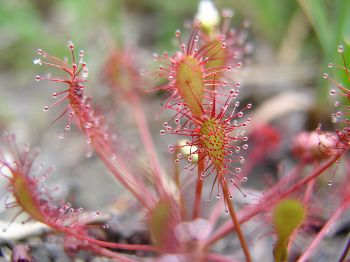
206 152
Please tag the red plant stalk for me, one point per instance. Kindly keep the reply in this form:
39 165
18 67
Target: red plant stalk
91 122
311 248
182 202
218 258
228 227
345 251
108 253
148 143
227 199
122 75
199 186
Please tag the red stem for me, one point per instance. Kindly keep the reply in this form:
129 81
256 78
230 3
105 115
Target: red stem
218 258
310 249
108 253
235 220
199 187
148 143
345 251
177 180
130 247
226 228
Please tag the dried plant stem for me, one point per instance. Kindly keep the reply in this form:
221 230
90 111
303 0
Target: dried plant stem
311 248
177 179
235 220
226 228
199 187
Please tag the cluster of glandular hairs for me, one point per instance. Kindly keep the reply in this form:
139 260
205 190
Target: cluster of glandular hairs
342 92
25 183
78 104
206 110
89 120
218 135
188 72
232 39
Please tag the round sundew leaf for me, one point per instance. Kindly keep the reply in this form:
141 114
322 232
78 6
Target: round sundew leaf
287 216
190 83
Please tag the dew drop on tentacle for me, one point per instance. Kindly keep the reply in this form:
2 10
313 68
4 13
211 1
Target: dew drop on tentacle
241 159
88 125
70 45
332 92
340 48
37 61
171 149
155 57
